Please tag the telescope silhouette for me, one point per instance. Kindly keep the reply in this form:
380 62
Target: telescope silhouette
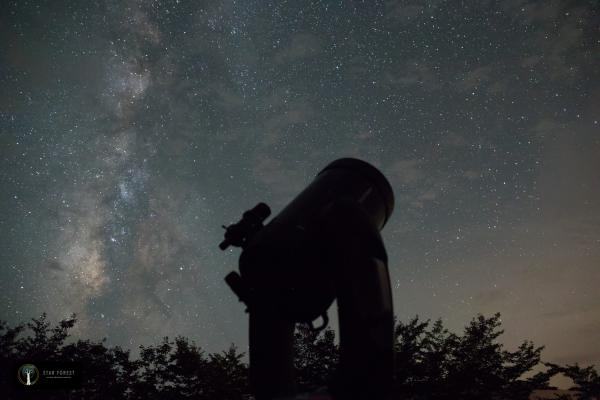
323 246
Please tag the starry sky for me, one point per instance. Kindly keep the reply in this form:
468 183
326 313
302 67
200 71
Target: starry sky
130 131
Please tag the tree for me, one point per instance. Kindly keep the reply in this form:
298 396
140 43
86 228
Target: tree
431 363
106 368
227 376
188 370
436 364
106 372
315 358
46 342
179 369
8 352
586 380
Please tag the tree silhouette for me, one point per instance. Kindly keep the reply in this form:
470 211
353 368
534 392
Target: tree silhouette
227 375
107 371
431 363
175 370
586 380
316 357
169 370
46 342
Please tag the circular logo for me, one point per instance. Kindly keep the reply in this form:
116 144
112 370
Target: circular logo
28 374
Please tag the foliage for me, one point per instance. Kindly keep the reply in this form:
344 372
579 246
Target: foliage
431 363
587 380
170 370
315 359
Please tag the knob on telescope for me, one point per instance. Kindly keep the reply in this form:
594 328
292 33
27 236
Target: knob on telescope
252 221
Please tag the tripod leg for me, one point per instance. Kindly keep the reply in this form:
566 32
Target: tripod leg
364 305
271 354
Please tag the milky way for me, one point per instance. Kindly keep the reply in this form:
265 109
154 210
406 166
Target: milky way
131 131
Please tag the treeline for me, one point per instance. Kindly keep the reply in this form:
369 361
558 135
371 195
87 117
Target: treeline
431 363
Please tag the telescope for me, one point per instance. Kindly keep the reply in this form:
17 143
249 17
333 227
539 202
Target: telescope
325 245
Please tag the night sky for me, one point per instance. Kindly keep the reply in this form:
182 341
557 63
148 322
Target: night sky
130 131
